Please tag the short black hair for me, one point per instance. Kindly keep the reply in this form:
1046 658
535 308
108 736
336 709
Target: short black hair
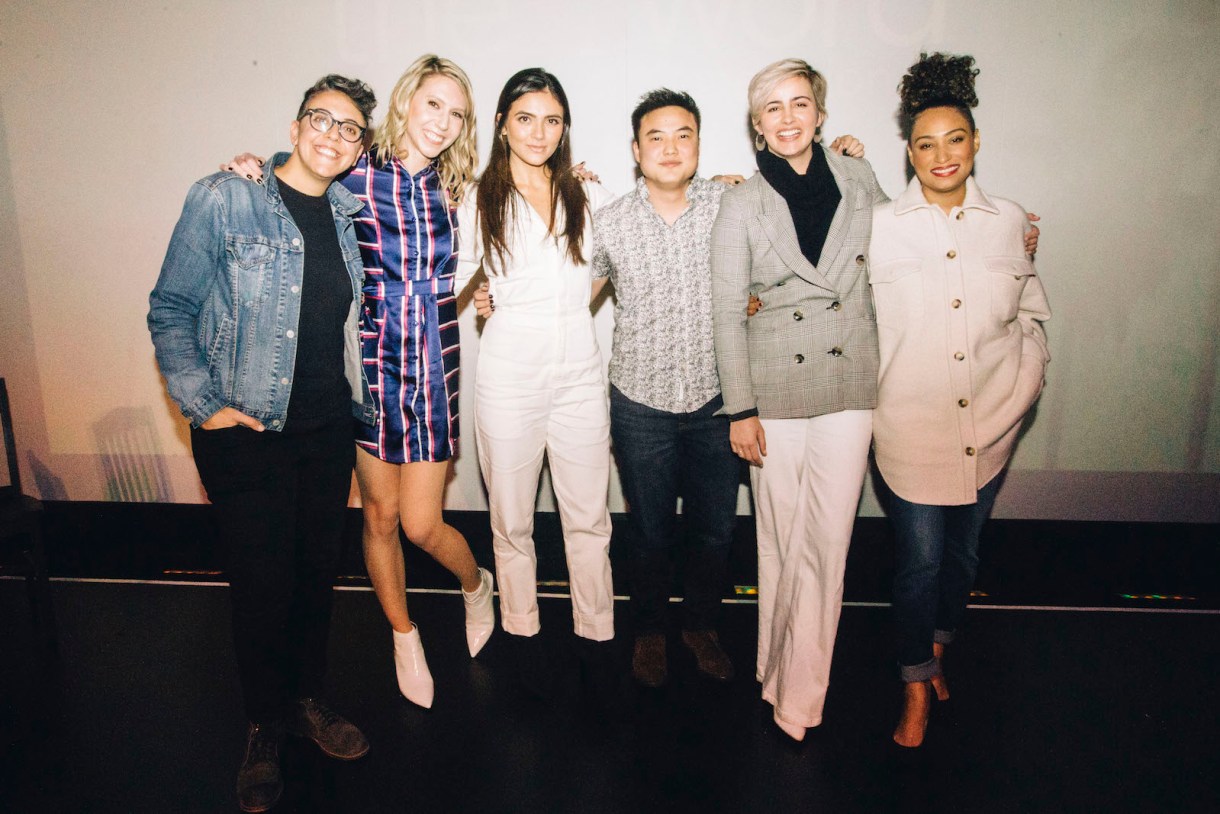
657 99
360 94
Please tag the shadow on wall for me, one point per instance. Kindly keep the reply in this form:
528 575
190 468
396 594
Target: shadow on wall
133 467
50 486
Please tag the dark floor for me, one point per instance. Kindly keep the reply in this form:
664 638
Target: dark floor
1052 710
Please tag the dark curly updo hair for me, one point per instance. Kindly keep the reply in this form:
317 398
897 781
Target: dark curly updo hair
939 80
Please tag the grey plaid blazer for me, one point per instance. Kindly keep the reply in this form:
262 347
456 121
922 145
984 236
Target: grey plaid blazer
812 348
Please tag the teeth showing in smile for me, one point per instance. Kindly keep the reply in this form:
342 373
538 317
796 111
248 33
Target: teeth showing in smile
944 172
788 133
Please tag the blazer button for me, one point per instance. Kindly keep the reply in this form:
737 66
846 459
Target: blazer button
798 316
959 356
835 351
781 282
952 254
961 215
970 451
956 303
859 260
799 358
836 306
963 402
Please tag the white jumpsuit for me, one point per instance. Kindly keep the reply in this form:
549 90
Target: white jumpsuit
541 387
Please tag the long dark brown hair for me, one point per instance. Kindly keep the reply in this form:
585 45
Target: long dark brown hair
497 198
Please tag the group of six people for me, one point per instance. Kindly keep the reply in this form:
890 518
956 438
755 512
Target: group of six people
291 300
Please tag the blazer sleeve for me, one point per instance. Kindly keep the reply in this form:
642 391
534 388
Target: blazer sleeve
730 260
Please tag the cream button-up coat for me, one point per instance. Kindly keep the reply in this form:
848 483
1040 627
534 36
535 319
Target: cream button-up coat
963 352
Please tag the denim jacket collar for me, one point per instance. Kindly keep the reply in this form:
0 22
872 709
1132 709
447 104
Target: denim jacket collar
343 201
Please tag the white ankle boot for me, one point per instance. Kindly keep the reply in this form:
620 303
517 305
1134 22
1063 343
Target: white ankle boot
414 680
480 613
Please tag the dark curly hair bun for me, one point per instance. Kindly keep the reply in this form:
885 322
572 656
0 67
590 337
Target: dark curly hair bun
939 80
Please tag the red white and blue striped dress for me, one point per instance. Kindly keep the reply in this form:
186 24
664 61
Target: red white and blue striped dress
408 326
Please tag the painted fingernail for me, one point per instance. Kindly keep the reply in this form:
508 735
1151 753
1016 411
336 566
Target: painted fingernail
260 162
251 177
259 181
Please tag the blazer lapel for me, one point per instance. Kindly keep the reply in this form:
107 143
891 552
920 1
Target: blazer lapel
840 225
776 221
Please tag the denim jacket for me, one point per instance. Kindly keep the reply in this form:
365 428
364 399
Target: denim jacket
224 312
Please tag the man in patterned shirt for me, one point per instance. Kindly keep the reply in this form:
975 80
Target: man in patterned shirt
653 243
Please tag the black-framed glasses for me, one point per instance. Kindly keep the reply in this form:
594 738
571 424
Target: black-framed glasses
322 120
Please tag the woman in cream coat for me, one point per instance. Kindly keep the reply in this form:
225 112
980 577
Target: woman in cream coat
963 353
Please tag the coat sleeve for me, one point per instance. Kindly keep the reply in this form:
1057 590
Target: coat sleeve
196 256
731 260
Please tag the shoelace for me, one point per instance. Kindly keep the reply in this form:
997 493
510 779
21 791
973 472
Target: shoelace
324 715
263 745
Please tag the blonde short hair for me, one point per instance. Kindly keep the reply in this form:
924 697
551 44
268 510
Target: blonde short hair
765 81
456 165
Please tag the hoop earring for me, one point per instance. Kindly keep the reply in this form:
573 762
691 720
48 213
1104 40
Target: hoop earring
760 142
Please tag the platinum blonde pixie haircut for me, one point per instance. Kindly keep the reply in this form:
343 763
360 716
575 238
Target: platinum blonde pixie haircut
766 80
456 165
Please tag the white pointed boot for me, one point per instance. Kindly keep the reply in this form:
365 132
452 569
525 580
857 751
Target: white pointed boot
480 613
414 680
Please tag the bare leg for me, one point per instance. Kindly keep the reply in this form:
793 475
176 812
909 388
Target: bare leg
421 494
379 489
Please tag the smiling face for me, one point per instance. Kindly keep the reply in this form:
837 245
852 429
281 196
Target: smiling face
789 119
942 150
532 128
435 117
667 147
318 157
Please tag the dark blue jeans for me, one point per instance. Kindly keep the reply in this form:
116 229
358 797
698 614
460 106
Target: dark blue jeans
662 456
937 560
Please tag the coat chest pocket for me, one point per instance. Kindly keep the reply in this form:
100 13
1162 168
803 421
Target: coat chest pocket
1007 277
250 263
897 291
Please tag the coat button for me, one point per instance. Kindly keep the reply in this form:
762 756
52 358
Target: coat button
956 303
963 402
970 451
781 282
799 358
961 215
275 422
290 334
859 260
959 356
296 241
835 351
798 315
836 306
284 380
952 254
296 289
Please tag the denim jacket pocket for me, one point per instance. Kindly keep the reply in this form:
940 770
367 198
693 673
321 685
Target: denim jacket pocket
249 262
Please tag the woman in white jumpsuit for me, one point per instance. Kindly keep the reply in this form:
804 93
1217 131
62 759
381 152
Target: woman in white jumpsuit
540 385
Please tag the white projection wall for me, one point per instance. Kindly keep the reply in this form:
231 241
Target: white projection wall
1102 118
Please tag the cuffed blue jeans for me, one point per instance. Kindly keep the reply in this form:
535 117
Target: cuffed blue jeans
662 456
937 552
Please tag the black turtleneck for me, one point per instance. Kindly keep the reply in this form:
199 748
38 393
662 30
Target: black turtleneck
812 198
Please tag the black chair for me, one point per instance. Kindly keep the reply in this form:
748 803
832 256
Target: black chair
21 518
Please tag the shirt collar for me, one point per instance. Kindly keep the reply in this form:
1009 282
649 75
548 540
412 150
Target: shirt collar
912 198
697 190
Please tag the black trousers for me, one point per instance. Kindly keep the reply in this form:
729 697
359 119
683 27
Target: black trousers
280 500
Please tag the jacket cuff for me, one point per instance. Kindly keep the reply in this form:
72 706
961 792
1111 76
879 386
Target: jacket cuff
750 413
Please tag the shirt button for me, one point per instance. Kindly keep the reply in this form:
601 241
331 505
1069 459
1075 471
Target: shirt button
799 358
290 334
296 289
836 305
296 241
956 303
781 282
959 356
963 402
961 215
952 254
284 380
859 260
970 451
835 351
798 315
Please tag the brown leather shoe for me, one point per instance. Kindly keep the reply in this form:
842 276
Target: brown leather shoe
648 660
334 734
709 655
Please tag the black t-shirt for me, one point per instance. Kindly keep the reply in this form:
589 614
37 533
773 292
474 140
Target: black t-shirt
320 391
